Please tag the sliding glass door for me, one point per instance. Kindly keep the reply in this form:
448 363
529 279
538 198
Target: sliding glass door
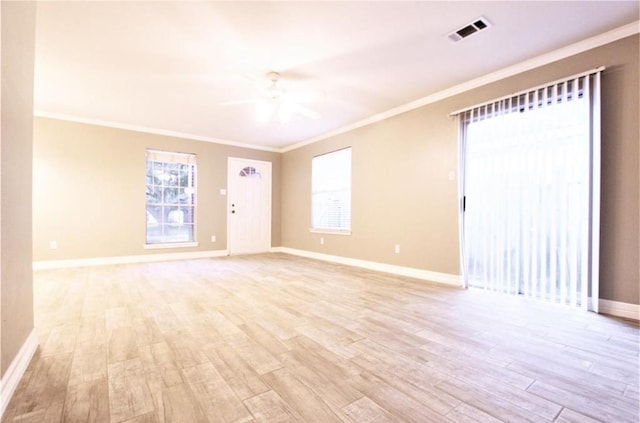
531 193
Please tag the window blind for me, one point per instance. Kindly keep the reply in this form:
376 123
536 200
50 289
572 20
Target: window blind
331 191
171 157
531 192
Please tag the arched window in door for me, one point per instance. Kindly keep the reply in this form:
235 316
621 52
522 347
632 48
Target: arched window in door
250 172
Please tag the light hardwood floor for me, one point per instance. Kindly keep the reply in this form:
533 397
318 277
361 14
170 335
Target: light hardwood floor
275 338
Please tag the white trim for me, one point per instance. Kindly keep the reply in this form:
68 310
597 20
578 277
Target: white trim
16 370
613 308
536 62
591 304
329 231
529 90
619 309
544 59
170 245
595 198
428 275
156 131
146 258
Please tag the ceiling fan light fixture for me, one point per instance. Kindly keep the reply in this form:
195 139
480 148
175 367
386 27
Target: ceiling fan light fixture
274 91
274 110
279 105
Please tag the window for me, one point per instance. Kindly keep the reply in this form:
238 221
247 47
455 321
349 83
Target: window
331 191
170 197
531 184
250 172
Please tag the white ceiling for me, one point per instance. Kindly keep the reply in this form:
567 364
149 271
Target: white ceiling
168 65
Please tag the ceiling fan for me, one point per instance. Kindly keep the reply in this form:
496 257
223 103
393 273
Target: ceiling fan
276 102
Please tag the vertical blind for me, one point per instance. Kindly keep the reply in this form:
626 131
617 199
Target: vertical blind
530 214
331 191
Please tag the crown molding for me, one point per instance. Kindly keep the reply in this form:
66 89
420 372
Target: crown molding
155 131
544 59
536 62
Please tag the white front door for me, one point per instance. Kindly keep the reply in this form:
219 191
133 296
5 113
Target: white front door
248 206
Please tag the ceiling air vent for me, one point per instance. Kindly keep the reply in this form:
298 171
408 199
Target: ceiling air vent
475 26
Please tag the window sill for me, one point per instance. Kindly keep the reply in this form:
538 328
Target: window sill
329 231
170 245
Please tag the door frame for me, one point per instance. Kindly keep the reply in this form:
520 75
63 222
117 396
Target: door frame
269 164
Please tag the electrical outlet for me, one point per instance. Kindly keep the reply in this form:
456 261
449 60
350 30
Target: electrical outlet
321 241
213 238
53 245
397 249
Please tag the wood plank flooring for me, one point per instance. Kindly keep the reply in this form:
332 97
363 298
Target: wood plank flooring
277 338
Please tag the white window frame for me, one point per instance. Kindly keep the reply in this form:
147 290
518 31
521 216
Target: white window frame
323 168
584 85
160 156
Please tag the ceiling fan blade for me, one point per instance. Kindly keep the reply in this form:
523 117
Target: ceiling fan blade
276 101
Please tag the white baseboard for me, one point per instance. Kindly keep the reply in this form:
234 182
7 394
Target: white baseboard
614 308
443 278
619 309
145 258
16 370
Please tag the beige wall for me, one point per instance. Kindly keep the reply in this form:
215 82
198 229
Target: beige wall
16 286
88 190
86 194
402 195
